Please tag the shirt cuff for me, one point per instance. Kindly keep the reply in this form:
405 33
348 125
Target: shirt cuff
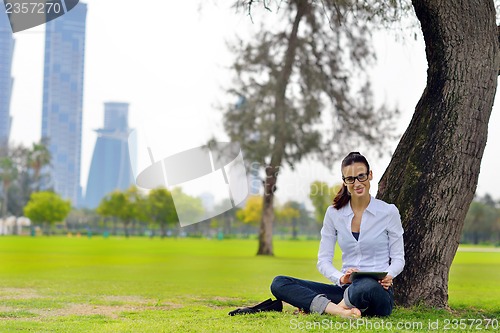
391 274
337 280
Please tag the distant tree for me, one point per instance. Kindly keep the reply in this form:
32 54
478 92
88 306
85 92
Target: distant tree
122 205
28 162
289 213
296 91
226 219
136 207
161 209
496 227
82 218
480 222
21 187
321 196
8 174
114 205
187 207
38 158
488 200
46 208
251 213
105 208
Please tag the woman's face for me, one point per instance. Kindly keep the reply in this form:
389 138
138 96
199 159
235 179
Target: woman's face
354 172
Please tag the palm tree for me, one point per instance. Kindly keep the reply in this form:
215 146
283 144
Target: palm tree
38 157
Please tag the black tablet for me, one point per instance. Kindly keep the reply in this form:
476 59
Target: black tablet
375 275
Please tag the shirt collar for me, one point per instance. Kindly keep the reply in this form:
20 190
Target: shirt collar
372 208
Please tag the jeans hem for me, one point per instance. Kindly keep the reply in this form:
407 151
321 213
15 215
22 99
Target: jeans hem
346 299
319 304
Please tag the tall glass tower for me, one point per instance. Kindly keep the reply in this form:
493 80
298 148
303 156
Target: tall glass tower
63 99
110 168
6 80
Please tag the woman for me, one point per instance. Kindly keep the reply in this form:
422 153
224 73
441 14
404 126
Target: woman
370 235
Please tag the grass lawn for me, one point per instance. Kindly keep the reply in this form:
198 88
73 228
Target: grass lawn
59 284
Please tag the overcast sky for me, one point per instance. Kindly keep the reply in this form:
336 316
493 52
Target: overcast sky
169 61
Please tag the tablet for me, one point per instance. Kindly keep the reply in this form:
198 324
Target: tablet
375 275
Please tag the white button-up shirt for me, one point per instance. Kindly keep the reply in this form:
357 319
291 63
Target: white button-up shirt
380 245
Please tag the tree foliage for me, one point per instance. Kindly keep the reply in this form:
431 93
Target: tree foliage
47 208
302 90
317 70
160 209
482 222
321 196
23 175
156 207
287 212
38 157
8 173
251 213
190 208
123 205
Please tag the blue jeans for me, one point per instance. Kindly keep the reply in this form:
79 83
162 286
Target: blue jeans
364 293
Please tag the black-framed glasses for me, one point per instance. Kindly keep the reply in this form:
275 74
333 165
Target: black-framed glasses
361 178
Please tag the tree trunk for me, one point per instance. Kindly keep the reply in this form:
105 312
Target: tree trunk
433 174
272 170
475 238
266 225
163 230
133 230
125 227
227 224
294 228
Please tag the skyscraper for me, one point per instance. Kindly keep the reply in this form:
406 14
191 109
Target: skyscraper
111 165
6 80
63 99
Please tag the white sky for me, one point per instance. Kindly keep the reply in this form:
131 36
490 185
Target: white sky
169 61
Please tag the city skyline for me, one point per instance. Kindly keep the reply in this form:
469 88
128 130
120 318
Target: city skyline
171 68
63 100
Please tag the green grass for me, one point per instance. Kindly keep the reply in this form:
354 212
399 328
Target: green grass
57 284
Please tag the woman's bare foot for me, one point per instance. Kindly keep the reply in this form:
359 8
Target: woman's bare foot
340 311
343 305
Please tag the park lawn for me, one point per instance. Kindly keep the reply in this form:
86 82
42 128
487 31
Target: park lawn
60 284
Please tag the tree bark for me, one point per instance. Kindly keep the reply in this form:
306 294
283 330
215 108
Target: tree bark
433 174
266 225
272 170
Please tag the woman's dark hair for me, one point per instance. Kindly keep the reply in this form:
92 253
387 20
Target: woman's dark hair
342 198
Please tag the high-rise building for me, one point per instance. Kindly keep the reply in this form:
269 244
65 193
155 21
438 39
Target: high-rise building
63 99
6 80
110 168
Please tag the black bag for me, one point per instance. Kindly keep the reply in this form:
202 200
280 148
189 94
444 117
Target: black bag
267 305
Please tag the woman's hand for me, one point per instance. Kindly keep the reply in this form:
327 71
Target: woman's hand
386 282
344 279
